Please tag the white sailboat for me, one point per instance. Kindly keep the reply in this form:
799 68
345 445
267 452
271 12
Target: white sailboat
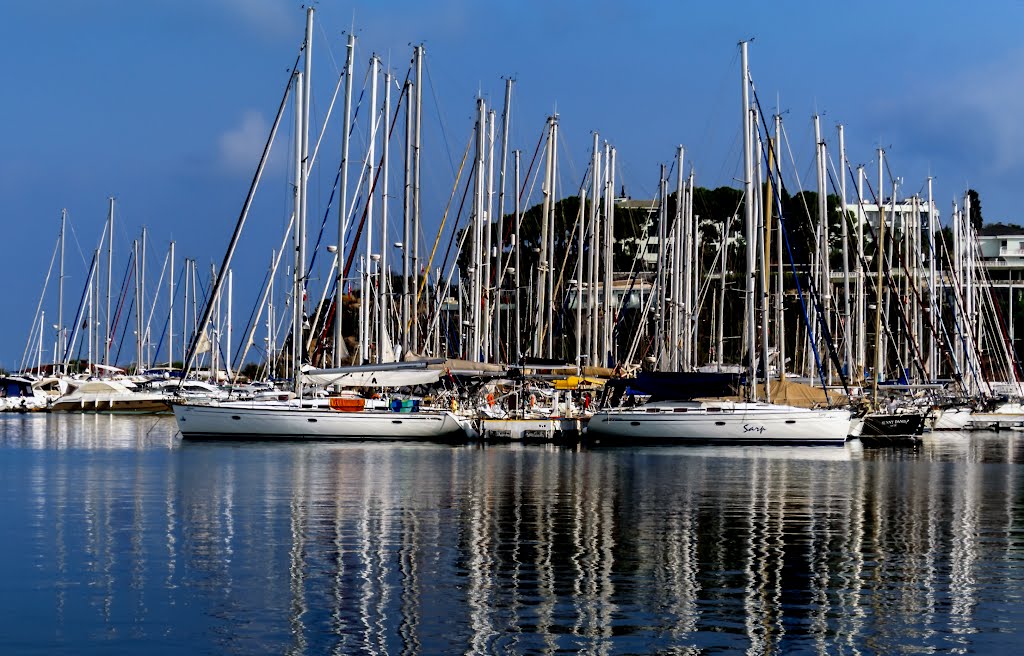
726 421
323 418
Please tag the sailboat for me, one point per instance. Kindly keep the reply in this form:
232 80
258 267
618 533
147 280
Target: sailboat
324 417
721 421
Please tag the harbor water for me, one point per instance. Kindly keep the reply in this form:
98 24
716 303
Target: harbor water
119 538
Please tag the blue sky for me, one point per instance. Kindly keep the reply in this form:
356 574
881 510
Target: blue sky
166 104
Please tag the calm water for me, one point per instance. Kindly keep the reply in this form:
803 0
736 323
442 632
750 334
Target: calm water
119 538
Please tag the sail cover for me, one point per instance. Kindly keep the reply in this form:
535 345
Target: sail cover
378 378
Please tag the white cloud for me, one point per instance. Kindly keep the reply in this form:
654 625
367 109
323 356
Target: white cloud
241 146
271 17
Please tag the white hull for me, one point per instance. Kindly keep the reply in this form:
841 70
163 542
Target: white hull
284 422
952 419
546 429
726 423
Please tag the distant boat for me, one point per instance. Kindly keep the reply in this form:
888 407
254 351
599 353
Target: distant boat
109 396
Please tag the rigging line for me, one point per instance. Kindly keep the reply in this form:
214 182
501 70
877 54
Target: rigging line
823 324
129 273
163 332
42 295
444 218
462 234
890 281
1009 350
568 243
440 121
366 207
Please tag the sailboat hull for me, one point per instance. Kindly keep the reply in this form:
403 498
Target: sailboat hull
292 423
739 423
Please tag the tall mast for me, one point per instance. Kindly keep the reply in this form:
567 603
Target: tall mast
678 337
862 328
418 57
500 275
479 259
879 258
383 340
406 219
692 269
780 305
933 316
297 239
579 283
764 215
825 288
487 275
659 300
748 211
170 309
60 289
110 268
366 294
543 263
343 203
609 265
550 323
144 336
518 337
847 323
595 247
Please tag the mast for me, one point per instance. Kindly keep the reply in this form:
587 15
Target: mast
659 300
780 291
678 248
479 258
542 263
592 260
487 275
339 339
825 288
862 328
418 59
170 310
879 257
500 275
750 231
847 324
110 268
518 337
551 243
60 290
609 263
383 340
764 214
933 316
406 219
296 352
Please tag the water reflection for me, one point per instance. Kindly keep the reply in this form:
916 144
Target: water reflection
139 540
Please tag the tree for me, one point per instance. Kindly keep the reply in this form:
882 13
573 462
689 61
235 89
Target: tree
976 220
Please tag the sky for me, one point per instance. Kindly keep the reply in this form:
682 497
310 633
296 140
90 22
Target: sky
166 104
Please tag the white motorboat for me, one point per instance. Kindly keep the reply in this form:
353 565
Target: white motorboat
113 396
250 420
719 422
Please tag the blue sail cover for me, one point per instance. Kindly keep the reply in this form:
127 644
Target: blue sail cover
681 386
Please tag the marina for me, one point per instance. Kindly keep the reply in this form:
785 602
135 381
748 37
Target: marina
373 345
